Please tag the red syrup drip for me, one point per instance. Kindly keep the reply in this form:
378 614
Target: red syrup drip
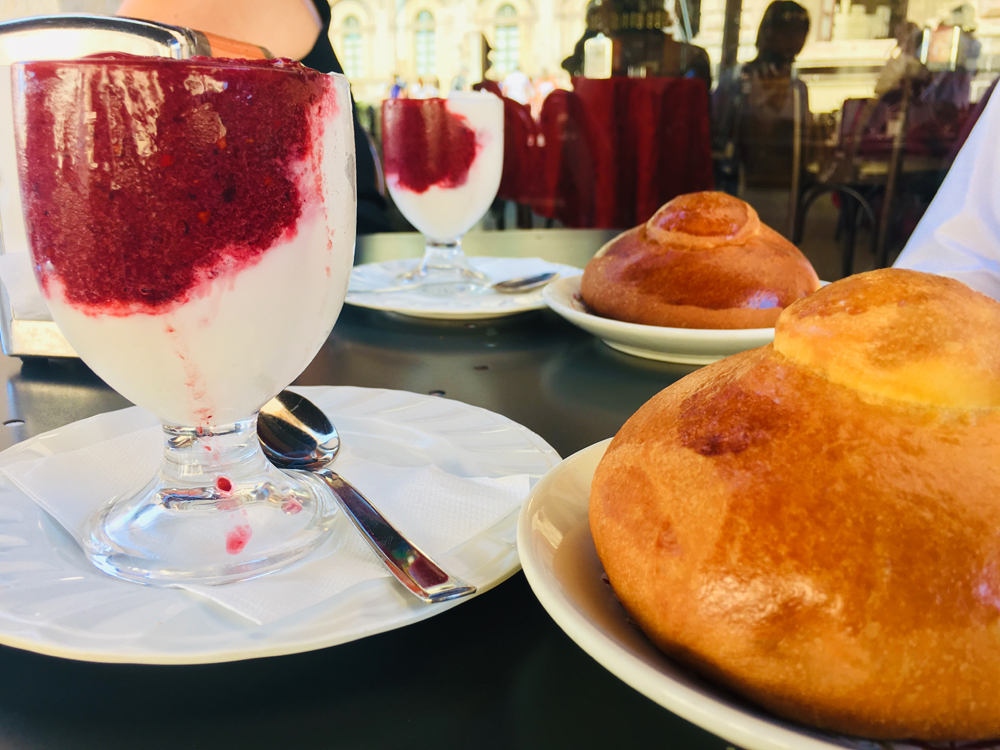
224 484
238 538
424 144
185 175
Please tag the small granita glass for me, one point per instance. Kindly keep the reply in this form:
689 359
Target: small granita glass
192 228
443 163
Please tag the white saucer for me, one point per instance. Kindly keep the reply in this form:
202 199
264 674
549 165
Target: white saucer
688 346
471 306
562 567
54 602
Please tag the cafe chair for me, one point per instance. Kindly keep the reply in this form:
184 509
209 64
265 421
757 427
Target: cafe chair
888 146
843 175
521 178
522 163
487 85
571 158
617 149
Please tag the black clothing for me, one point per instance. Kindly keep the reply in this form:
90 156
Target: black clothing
371 206
322 57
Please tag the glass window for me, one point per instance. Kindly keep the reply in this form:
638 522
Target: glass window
425 53
353 67
508 41
835 119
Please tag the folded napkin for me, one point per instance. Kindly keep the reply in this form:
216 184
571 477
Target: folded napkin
959 235
386 273
436 510
504 269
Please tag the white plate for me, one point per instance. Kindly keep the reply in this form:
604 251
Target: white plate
689 346
478 306
54 602
562 567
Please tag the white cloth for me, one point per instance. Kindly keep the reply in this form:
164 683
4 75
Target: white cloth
959 235
436 510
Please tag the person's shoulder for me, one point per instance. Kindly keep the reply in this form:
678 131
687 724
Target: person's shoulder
695 50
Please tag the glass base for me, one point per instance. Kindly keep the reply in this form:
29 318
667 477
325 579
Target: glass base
443 271
217 512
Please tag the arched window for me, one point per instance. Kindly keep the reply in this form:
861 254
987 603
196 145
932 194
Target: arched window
426 62
352 48
508 39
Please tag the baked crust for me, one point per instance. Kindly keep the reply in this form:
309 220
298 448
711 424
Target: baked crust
828 549
704 260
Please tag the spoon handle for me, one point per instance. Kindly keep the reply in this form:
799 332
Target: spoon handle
413 568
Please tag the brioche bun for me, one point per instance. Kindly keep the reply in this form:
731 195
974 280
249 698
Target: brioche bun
816 523
704 260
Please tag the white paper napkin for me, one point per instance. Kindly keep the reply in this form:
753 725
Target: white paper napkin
436 510
504 269
386 274
959 235
470 305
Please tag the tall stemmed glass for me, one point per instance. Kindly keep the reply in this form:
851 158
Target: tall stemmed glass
192 228
443 162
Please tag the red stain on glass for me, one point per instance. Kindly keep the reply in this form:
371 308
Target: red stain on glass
238 538
424 144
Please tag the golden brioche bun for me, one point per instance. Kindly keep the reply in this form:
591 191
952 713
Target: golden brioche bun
704 260
816 523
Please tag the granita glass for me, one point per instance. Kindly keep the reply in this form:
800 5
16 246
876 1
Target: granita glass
192 229
443 162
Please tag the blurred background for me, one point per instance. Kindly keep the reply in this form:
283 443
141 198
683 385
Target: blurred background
836 120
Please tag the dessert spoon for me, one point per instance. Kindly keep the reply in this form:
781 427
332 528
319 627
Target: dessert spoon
519 285
295 434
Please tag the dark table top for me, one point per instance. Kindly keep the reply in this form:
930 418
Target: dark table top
495 672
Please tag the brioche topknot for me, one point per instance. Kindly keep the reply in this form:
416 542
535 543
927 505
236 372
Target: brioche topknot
704 260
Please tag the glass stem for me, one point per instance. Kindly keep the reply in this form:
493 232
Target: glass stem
444 262
442 255
206 463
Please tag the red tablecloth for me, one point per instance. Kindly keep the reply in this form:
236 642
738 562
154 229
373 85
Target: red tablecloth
617 149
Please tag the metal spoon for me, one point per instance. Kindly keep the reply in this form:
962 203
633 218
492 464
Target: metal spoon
519 285
295 434
524 283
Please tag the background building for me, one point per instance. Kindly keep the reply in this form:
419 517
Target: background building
436 39
849 40
442 39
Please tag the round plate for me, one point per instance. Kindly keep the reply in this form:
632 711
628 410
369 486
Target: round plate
54 602
562 567
688 346
478 306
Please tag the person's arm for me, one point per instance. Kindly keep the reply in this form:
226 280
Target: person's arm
286 28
